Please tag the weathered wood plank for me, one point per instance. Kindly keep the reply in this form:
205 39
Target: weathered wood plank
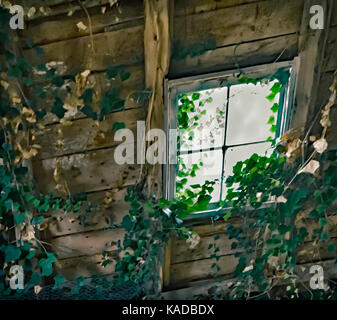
118 47
200 269
312 46
60 7
112 208
201 287
241 55
83 267
130 90
63 27
86 244
312 252
241 23
89 172
182 253
85 134
330 61
184 272
184 8
322 98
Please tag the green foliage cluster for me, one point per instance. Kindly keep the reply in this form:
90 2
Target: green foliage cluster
277 205
22 209
266 193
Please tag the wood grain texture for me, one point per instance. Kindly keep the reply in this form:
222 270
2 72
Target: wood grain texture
185 8
83 267
201 287
60 27
111 48
241 23
330 61
84 134
181 252
130 90
86 244
86 172
241 55
200 269
312 46
107 215
62 7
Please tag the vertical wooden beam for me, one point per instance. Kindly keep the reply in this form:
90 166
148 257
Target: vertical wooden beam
167 264
157 51
312 44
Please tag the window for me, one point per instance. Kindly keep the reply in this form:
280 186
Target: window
223 118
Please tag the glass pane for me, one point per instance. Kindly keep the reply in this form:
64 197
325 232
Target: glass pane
249 112
210 170
206 119
236 154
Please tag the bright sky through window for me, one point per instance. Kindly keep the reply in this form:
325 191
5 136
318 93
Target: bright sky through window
226 125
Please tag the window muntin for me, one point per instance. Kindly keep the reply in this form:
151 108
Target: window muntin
238 131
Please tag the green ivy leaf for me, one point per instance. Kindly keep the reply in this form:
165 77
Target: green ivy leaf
35 278
27 81
11 253
195 96
58 109
112 72
37 220
125 75
127 223
47 264
58 281
271 120
19 218
118 126
275 107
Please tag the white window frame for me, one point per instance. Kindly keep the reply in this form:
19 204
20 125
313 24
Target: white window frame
173 87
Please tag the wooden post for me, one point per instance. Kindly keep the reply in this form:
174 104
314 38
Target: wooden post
157 51
312 44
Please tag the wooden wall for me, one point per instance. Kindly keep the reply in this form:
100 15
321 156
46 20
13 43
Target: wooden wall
223 34
88 166
246 33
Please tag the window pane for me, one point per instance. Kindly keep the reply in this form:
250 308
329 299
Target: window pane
210 170
236 154
249 112
206 124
